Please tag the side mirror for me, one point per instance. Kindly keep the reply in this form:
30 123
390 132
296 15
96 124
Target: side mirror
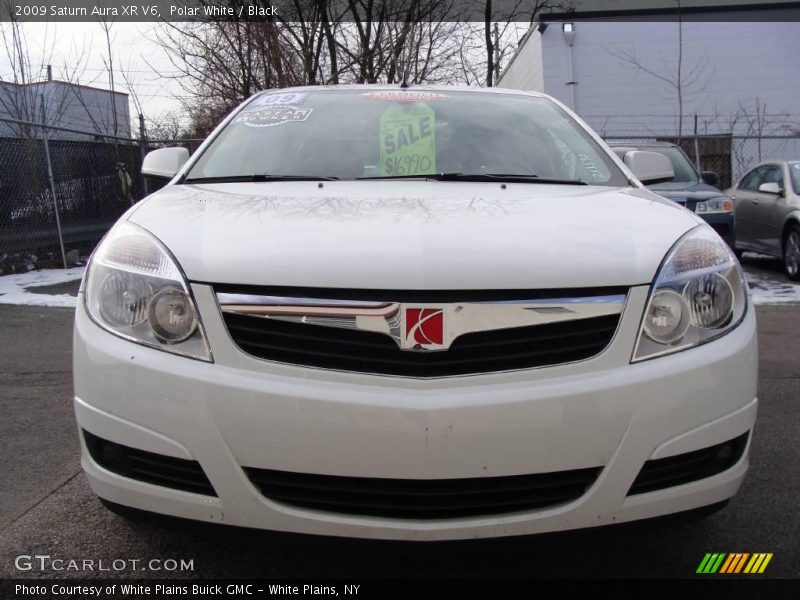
710 177
165 162
649 167
770 188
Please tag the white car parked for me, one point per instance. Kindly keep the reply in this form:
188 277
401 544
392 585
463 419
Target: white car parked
412 313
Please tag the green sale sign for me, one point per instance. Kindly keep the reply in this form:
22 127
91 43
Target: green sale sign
407 140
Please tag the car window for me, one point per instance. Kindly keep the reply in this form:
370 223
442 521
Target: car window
384 132
681 165
772 174
750 182
794 172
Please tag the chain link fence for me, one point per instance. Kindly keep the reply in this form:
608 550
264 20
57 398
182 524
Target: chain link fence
61 190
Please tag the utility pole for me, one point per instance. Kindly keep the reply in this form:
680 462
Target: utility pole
107 30
51 180
496 53
696 145
569 38
143 150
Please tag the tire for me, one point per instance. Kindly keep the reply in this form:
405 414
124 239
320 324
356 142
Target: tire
791 252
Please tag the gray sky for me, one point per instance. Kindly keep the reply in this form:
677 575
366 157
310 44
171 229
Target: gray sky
83 44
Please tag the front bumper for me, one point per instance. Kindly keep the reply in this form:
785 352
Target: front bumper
244 412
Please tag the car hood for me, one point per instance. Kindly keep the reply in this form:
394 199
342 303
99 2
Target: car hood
414 235
684 192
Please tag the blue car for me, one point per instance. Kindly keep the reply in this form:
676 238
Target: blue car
689 188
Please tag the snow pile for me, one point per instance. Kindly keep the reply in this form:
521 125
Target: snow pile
13 288
768 288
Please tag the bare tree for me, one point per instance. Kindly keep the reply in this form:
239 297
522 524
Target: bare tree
499 22
20 97
679 80
309 31
108 61
166 126
103 119
416 45
752 121
424 52
219 64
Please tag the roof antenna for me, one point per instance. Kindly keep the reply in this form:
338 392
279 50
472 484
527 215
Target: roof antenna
405 83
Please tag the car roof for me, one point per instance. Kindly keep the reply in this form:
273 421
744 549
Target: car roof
635 144
772 162
396 87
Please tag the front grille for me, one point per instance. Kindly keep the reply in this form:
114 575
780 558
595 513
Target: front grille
691 466
368 352
166 471
423 498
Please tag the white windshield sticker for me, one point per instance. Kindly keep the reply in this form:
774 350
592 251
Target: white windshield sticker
273 115
279 99
404 96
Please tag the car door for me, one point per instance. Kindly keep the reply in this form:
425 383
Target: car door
768 210
744 206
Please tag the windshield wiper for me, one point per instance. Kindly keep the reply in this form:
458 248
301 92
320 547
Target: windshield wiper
502 177
513 178
452 176
257 178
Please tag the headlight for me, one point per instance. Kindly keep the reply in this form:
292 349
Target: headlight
135 289
699 294
714 205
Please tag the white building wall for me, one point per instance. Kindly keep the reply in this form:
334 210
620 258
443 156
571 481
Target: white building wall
86 109
66 105
525 71
726 68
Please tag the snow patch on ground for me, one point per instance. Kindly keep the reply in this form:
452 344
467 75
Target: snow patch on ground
771 289
13 288
767 281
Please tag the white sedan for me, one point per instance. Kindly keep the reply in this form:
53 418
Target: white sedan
412 313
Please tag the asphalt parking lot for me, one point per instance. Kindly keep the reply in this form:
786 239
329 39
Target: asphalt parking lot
46 506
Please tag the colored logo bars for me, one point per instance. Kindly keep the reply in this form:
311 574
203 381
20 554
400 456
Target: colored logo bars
734 562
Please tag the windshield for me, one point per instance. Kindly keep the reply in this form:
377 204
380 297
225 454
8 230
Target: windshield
349 134
794 169
684 169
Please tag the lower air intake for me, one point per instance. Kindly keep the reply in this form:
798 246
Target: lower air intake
423 498
166 471
684 468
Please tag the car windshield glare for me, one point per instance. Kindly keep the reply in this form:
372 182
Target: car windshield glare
377 132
